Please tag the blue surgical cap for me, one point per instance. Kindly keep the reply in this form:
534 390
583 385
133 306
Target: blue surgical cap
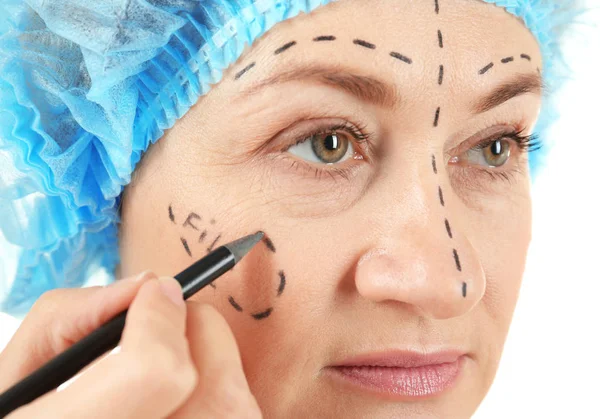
87 86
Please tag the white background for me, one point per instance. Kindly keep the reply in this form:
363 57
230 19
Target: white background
551 367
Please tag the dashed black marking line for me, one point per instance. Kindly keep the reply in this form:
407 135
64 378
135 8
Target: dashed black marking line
269 243
441 193
486 68
235 304
364 44
457 260
186 247
212 246
448 229
437 117
263 315
171 215
244 70
401 57
441 75
285 47
282 283
440 39
507 60
464 289
437 7
526 57
324 38
434 164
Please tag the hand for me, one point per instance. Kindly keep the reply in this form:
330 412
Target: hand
177 360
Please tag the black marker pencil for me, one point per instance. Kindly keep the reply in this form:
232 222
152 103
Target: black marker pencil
67 364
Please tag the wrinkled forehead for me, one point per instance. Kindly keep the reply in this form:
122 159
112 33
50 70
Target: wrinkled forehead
477 41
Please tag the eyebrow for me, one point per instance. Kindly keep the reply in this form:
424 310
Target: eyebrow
519 85
364 88
384 94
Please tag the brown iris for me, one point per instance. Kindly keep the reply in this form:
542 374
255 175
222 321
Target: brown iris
330 147
497 153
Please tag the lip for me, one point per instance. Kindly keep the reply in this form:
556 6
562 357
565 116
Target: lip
402 375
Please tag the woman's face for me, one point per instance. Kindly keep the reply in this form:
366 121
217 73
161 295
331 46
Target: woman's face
378 149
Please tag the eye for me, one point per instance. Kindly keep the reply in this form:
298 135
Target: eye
493 153
326 148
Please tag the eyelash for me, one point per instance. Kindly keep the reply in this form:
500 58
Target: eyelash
525 143
359 134
361 137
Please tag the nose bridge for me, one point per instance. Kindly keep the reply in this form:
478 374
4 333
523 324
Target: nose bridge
421 257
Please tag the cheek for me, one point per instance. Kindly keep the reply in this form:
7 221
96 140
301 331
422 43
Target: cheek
502 237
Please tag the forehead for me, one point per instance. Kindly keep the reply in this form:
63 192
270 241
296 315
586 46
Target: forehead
466 35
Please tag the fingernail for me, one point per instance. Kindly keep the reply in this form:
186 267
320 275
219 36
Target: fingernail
145 275
171 288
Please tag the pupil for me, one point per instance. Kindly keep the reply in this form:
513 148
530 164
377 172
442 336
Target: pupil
497 148
331 142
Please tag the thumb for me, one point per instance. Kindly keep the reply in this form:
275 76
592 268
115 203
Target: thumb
58 319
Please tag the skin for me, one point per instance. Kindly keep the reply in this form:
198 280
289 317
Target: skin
367 257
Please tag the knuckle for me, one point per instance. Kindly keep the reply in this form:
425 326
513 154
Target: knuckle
49 301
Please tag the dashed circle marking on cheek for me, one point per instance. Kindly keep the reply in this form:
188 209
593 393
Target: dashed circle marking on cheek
282 283
234 304
192 226
186 246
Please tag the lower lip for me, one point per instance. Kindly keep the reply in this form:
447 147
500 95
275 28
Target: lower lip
405 383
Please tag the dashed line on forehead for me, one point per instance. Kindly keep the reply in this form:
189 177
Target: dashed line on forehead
285 47
245 70
365 44
324 38
486 68
400 57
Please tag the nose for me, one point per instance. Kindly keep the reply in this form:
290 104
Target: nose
424 262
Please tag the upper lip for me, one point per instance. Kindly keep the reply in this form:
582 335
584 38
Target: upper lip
401 359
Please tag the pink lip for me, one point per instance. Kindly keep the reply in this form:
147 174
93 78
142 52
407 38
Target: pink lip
402 375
